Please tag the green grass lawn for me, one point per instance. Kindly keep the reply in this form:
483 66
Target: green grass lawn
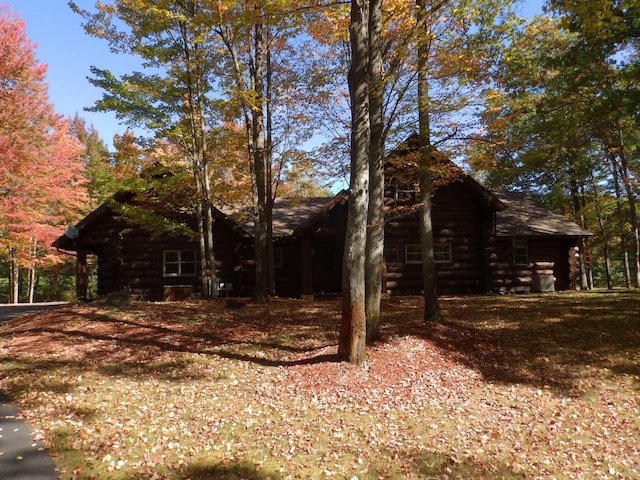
525 386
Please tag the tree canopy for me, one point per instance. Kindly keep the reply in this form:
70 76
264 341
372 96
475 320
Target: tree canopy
41 174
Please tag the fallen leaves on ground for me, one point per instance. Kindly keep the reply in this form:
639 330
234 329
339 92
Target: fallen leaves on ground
508 387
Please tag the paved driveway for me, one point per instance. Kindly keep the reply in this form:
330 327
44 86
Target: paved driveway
21 456
9 311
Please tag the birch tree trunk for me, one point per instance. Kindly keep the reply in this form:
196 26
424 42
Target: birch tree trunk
14 277
352 340
31 279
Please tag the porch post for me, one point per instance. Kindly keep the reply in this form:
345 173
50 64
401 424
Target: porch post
81 274
383 283
307 268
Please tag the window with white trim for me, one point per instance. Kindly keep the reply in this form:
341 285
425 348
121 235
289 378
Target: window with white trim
442 253
179 263
520 251
391 254
413 253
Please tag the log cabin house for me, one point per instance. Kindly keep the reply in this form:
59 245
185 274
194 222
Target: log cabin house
483 242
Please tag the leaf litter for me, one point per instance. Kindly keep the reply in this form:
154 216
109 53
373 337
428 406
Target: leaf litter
197 390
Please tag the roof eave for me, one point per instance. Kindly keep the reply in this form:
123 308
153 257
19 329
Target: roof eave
338 199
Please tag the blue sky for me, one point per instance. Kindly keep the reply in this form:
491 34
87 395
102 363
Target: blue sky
69 53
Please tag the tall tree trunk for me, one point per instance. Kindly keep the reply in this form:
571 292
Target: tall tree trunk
604 234
259 151
204 275
633 215
14 277
432 311
31 278
31 284
200 163
270 191
585 258
353 327
375 214
622 231
208 213
261 292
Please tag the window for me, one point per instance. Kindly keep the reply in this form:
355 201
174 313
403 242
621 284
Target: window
405 193
520 252
442 253
391 254
413 253
179 263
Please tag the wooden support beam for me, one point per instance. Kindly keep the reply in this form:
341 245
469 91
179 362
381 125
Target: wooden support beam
307 267
82 275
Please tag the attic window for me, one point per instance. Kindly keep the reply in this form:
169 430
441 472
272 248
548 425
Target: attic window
179 263
520 251
405 193
442 253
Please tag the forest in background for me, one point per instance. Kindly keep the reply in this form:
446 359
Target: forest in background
231 98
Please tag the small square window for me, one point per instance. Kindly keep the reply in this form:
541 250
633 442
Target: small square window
413 253
520 251
405 193
179 263
442 253
391 254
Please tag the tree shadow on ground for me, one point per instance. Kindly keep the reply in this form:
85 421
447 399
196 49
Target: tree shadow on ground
544 341
129 341
228 471
541 340
270 362
440 465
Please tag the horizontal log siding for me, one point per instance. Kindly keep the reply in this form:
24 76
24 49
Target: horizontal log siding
108 280
459 219
105 242
510 278
328 252
132 257
288 276
142 257
234 260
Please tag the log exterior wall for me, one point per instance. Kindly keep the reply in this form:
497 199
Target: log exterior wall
131 257
310 261
460 220
546 257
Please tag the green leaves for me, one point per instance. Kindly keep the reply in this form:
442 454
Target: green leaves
136 98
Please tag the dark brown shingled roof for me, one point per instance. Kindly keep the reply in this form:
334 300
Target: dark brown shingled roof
526 217
292 215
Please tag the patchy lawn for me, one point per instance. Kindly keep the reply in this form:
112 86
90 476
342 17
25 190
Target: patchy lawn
543 386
